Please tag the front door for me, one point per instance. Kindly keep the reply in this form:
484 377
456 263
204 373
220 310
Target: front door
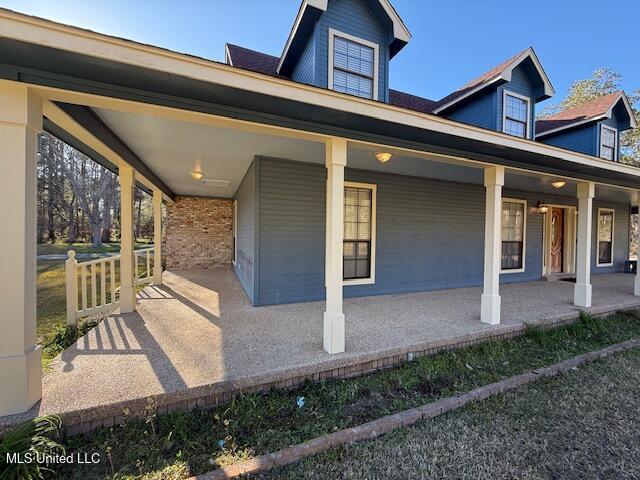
557 239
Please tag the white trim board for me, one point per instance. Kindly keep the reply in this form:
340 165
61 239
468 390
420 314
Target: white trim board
372 271
235 232
570 237
506 75
613 225
607 115
332 34
528 126
400 30
615 142
524 235
55 35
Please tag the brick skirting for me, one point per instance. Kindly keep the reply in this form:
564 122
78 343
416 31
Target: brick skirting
210 396
198 233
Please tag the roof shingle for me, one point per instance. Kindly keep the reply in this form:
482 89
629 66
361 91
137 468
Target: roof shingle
262 63
585 112
478 81
251 60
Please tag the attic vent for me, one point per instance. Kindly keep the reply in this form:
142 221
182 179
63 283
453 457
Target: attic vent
212 182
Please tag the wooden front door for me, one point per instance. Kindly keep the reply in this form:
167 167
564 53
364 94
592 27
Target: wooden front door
557 239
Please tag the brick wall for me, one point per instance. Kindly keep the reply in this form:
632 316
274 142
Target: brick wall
198 233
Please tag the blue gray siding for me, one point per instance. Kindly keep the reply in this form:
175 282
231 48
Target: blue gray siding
481 112
582 139
485 110
430 233
609 122
246 198
304 72
291 218
520 84
585 138
354 18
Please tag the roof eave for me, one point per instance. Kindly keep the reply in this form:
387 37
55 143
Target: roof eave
307 15
506 75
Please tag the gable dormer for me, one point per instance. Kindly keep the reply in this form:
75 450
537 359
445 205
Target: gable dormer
502 99
592 128
344 45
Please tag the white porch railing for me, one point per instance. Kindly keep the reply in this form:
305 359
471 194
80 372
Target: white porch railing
86 295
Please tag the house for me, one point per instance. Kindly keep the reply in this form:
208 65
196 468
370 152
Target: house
308 175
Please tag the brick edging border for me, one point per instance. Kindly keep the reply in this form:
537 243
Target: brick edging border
375 428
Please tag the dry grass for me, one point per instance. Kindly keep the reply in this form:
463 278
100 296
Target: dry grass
174 445
584 424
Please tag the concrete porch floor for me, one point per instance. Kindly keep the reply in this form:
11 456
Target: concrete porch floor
198 329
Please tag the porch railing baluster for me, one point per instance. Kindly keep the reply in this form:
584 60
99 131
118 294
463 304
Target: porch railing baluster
83 283
94 289
106 302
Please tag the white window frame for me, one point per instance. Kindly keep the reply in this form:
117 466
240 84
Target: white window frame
504 112
376 57
615 142
613 224
235 232
524 235
372 271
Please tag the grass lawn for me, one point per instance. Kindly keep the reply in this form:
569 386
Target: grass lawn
583 424
62 248
181 444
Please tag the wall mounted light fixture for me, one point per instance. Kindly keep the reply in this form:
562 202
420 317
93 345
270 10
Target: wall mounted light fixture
541 207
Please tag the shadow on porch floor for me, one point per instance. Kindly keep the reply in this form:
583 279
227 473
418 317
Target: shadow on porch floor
199 329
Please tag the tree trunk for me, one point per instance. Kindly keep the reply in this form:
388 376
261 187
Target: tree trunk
97 233
72 231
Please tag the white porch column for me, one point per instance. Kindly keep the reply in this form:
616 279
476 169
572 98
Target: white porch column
336 159
490 301
157 237
582 288
20 357
126 176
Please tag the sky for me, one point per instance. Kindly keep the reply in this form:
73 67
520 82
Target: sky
453 40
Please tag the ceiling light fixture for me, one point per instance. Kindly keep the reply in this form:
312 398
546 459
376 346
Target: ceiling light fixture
197 174
383 156
558 184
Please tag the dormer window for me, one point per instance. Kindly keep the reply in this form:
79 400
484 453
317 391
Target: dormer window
515 115
608 142
353 65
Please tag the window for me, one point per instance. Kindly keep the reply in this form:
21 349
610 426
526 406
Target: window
513 232
353 65
515 119
359 233
605 237
608 142
235 232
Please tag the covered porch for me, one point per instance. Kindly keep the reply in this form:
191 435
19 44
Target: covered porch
196 338
197 329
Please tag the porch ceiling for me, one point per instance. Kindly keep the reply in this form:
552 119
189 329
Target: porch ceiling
172 149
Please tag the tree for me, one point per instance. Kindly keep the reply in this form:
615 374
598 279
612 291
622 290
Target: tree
603 81
91 186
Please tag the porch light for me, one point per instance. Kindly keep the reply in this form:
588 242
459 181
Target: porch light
383 156
197 174
558 184
541 207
